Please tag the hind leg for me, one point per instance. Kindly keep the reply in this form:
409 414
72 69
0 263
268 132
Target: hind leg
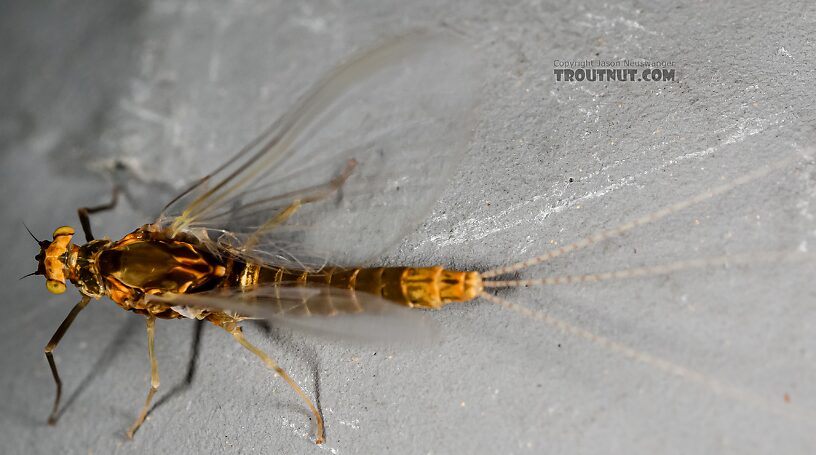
154 377
238 334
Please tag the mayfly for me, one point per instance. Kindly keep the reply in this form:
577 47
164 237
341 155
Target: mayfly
280 230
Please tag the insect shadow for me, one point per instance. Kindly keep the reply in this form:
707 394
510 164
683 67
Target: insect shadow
192 367
103 363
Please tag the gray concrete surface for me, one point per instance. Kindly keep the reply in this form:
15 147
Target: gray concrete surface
175 81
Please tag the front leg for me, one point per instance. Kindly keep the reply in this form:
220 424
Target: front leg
85 212
49 349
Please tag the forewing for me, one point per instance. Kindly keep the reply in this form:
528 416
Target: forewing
393 120
321 310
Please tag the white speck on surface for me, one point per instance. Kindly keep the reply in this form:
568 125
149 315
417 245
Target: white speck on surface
784 53
603 22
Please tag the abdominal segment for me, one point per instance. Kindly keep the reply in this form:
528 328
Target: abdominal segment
423 287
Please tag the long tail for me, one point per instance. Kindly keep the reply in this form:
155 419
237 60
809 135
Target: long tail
718 387
661 269
645 219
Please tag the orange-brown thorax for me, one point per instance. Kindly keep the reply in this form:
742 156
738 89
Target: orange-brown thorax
143 262
147 262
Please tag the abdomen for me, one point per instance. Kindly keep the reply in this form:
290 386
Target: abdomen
424 287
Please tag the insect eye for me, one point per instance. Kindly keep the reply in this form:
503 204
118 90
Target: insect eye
55 287
63 230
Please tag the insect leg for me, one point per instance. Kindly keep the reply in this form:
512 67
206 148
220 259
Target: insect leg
49 349
154 376
236 332
85 212
314 194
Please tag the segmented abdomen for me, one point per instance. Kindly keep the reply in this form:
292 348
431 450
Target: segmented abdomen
424 287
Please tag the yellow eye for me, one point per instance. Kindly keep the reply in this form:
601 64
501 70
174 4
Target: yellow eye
64 230
55 287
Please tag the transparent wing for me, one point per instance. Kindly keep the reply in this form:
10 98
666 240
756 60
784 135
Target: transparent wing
353 167
317 309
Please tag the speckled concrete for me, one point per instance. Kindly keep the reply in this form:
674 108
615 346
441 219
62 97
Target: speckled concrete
181 82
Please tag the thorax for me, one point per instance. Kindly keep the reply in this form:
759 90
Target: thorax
143 262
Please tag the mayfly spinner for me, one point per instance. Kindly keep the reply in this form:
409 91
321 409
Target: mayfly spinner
275 232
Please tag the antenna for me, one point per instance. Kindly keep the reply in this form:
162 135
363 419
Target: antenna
39 242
